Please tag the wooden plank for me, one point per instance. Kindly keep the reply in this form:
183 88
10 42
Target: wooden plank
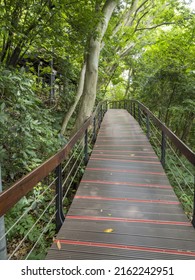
129 195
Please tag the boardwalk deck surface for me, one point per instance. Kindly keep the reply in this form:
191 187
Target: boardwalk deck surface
125 207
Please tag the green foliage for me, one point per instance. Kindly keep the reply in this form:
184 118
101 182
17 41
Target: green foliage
179 170
29 229
28 135
163 76
180 174
161 61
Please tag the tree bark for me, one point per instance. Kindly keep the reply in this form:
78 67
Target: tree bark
77 98
166 120
92 63
187 127
128 83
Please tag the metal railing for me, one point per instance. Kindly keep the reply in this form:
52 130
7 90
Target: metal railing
177 159
34 208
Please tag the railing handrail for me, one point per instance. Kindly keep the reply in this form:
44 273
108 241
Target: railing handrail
179 144
10 196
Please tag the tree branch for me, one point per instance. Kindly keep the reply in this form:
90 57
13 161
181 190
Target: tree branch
155 26
125 18
138 22
138 9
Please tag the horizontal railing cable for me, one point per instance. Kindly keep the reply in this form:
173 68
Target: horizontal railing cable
176 178
69 164
37 221
41 235
170 150
70 172
72 156
28 209
68 188
179 159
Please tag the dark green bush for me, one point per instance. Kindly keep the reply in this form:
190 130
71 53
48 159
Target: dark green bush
27 128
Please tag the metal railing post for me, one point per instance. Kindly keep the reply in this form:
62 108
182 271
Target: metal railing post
125 104
94 130
101 113
139 115
3 249
86 156
134 109
131 107
99 119
148 126
106 107
128 106
163 149
59 196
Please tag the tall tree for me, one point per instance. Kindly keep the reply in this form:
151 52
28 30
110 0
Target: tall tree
89 72
92 62
133 21
164 75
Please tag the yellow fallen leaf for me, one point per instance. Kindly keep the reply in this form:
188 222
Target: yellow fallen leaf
58 245
108 230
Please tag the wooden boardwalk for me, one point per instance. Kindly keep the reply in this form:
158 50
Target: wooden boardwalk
125 207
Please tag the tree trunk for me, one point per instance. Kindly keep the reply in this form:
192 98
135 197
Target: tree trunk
77 98
92 63
168 106
128 83
15 56
187 128
90 83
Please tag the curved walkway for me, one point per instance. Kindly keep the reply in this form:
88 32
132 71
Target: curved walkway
124 207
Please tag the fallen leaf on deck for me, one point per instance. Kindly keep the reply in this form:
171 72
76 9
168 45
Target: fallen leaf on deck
58 245
108 230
